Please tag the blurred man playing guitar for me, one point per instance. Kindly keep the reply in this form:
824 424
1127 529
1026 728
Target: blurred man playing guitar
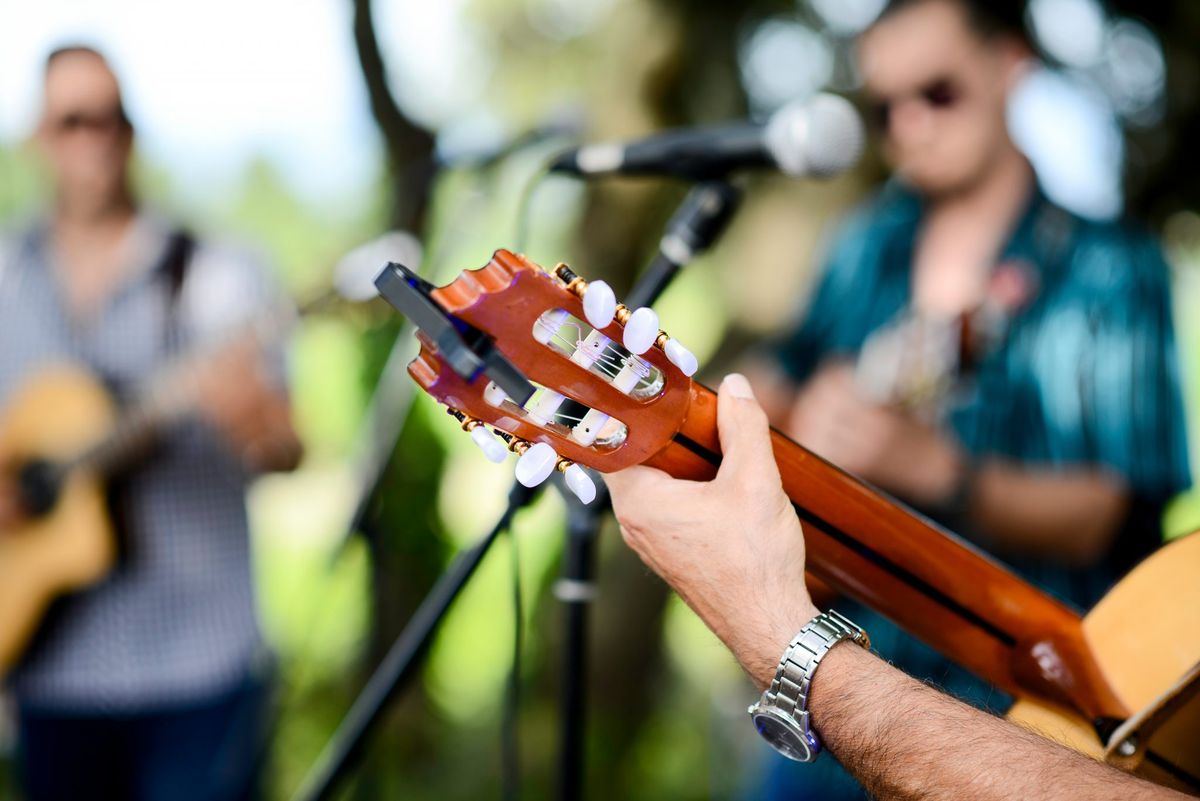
149 684
975 350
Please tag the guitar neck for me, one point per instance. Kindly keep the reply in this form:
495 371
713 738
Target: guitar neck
163 403
938 588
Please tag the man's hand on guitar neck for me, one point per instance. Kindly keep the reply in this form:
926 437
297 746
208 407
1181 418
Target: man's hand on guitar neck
881 444
732 548
238 398
734 551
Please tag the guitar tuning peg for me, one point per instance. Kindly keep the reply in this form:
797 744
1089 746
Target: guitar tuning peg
493 394
641 329
578 481
536 464
492 447
680 356
599 304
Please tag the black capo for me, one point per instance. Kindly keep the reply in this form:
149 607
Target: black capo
465 348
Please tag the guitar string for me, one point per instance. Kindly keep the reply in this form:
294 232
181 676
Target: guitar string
602 357
580 339
616 363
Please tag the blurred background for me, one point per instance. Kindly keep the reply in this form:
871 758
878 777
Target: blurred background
307 127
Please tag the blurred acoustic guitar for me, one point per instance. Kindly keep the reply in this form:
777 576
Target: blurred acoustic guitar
62 435
1121 683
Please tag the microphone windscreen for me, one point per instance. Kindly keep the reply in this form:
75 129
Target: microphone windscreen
819 137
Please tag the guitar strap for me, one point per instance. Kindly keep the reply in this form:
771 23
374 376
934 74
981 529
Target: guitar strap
173 267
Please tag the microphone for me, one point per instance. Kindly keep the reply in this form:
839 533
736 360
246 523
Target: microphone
818 137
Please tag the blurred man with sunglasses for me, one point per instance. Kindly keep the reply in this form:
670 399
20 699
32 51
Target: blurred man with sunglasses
149 685
975 350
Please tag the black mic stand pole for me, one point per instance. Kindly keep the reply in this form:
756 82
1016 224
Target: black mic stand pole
697 223
401 661
576 589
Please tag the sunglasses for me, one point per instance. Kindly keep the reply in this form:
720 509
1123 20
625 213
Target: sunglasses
91 121
941 94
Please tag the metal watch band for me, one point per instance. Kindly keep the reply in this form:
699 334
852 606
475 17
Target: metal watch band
789 689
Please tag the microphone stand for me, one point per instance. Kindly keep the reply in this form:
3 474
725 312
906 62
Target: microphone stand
576 589
700 219
400 663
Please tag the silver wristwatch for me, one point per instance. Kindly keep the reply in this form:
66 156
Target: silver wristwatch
781 715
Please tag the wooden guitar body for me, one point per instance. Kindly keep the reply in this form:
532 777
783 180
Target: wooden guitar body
54 417
1145 637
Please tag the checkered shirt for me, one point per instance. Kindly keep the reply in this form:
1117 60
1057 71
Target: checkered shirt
176 622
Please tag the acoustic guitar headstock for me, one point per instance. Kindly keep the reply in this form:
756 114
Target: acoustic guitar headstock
603 386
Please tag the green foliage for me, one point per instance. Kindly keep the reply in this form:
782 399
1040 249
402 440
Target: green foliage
22 182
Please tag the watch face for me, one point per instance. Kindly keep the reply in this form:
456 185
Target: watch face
782 734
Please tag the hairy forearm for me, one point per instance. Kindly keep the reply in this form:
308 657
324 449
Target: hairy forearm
904 740
1071 516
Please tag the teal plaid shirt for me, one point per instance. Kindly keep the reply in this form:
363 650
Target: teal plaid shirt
1086 375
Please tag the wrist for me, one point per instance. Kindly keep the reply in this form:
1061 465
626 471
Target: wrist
777 634
782 715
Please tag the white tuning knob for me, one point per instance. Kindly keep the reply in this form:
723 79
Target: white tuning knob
599 304
493 394
536 464
681 357
641 330
491 446
580 483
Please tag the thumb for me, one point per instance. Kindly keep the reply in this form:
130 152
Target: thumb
745 433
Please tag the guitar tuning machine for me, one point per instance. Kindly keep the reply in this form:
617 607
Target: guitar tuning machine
599 301
677 354
492 448
577 480
537 461
640 326
642 332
